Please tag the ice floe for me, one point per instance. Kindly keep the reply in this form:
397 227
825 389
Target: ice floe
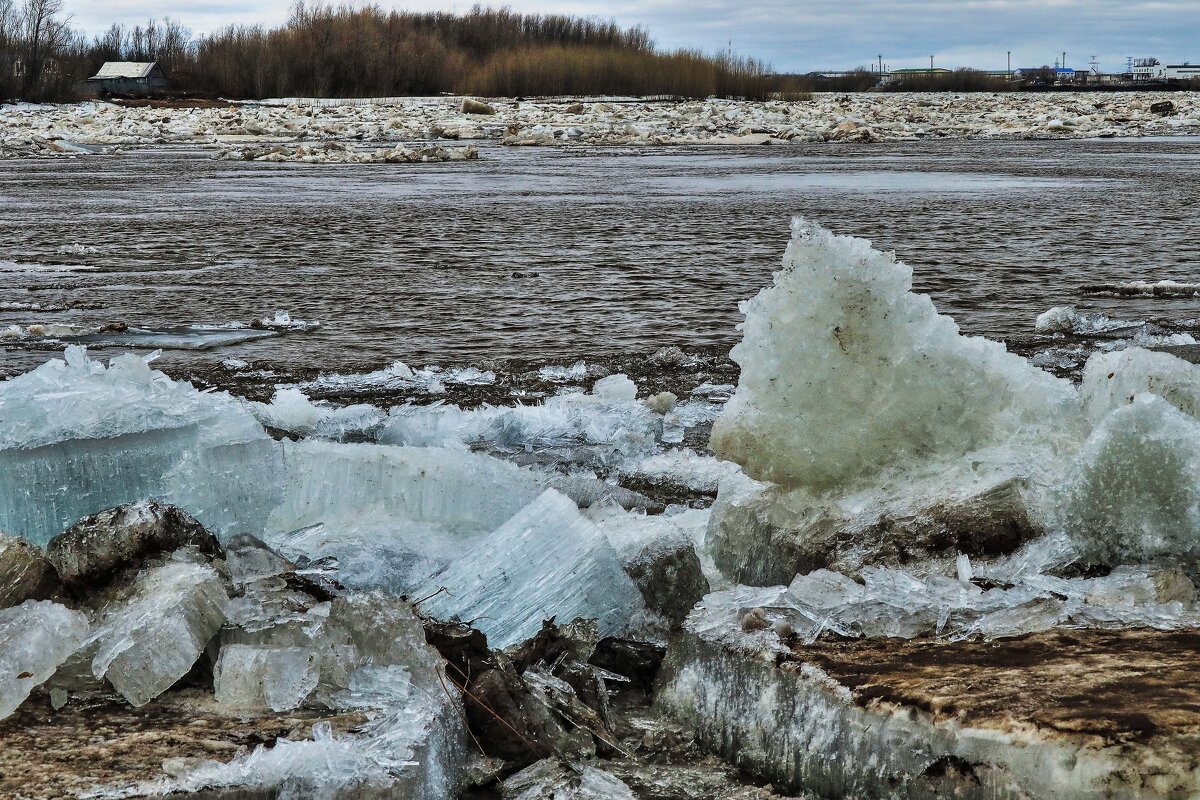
334 153
273 132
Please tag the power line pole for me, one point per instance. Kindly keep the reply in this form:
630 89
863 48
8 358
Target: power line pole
1010 64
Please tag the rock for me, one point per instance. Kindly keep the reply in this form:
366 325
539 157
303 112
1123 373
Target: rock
1042 715
668 573
552 779
536 700
662 402
470 106
574 108
25 572
91 551
638 661
661 559
1164 108
762 535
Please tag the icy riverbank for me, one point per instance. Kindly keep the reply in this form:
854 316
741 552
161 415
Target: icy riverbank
62 130
900 510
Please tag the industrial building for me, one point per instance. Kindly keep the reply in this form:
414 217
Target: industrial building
1151 69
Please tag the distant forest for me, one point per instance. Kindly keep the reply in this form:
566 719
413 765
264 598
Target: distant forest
344 51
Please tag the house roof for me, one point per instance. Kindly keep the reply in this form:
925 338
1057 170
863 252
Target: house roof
113 70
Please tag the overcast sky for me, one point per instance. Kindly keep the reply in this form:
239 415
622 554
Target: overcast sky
803 35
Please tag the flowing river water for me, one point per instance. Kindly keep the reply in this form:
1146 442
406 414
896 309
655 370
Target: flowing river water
555 254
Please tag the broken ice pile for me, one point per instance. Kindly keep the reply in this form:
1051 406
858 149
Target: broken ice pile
895 603
398 376
79 437
596 430
290 410
151 603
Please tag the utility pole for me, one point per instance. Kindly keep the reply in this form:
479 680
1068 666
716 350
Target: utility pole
1010 65
931 64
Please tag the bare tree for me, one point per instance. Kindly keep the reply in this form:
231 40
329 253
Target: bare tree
43 34
8 56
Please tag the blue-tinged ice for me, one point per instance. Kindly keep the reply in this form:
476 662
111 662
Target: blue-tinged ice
547 561
392 515
77 437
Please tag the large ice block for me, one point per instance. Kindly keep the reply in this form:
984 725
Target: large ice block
1070 715
845 370
77 437
278 678
392 515
35 637
150 638
1113 380
547 561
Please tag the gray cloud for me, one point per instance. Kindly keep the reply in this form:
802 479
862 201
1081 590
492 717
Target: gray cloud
802 35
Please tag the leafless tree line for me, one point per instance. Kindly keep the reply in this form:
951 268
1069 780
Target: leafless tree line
346 51
34 37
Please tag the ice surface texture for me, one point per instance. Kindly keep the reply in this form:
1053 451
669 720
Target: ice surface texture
392 515
77 437
547 561
150 640
845 369
35 637
1133 496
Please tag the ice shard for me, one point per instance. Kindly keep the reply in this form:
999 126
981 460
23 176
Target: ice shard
77 437
290 410
35 637
547 561
149 639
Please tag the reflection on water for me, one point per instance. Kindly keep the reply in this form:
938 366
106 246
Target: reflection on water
558 254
